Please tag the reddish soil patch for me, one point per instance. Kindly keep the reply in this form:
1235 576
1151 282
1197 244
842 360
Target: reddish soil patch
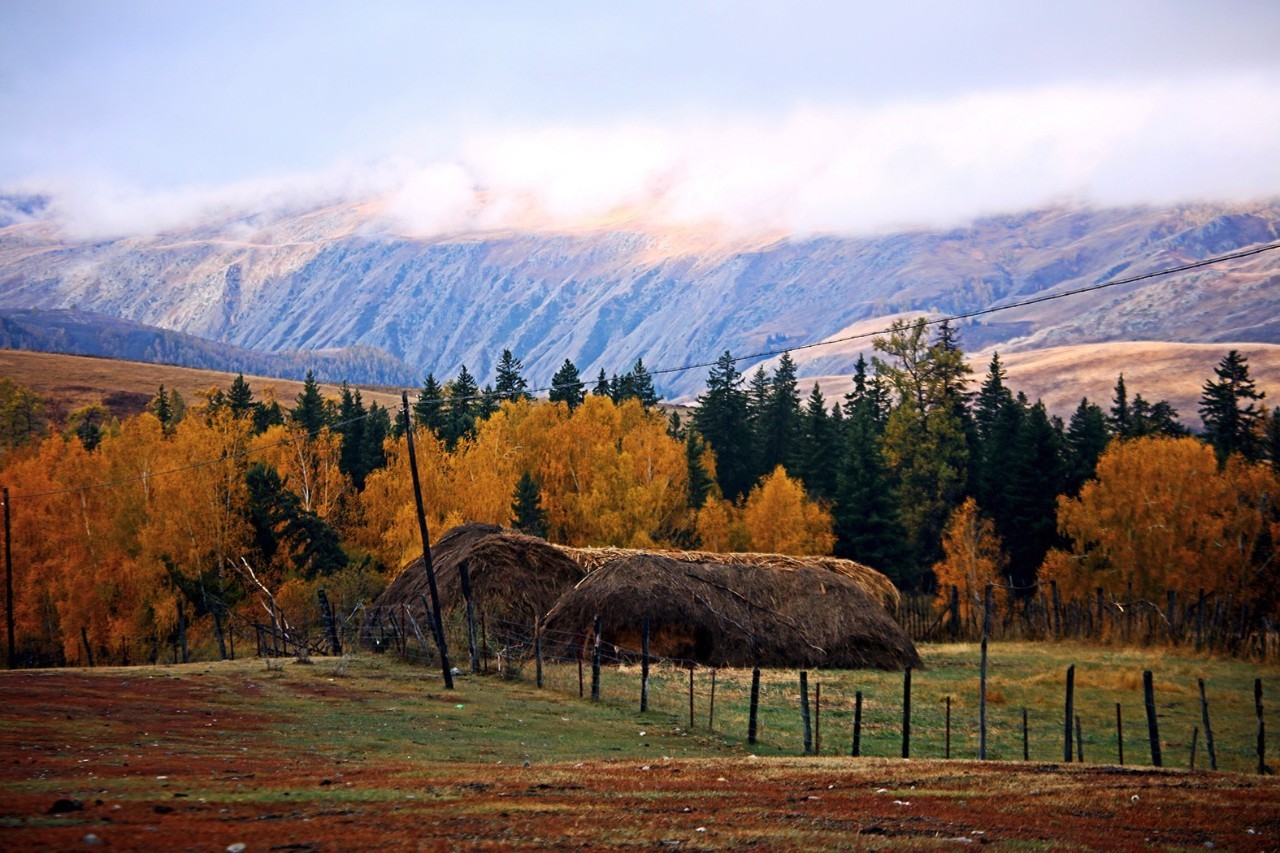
155 762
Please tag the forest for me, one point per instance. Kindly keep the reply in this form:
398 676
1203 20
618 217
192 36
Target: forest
199 512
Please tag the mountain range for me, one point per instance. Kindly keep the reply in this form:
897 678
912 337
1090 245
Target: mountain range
340 277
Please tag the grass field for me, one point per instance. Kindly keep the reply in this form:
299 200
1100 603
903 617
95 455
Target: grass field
371 751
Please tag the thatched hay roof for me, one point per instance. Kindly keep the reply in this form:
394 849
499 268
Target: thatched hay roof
734 615
874 583
514 578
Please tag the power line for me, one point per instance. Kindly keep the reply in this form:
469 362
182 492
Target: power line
1243 253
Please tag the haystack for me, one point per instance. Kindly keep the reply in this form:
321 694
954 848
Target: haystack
515 579
874 583
732 615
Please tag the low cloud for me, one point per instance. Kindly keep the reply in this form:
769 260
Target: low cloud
814 169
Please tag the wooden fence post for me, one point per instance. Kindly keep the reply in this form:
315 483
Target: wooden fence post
982 677
581 646
595 663
1153 725
1208 730
1026 738
182 631
906 713
857 724
1057 610
537 651
1070 712
1262 726
711 708
1120 734
804 712
644 664
817 719
753 719
690 694
330 623
8 583
947 754
88 650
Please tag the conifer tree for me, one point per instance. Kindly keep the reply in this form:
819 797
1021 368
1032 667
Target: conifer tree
527 507
1230 411
463 402
700 482
240 397
721 419
489 400
1272 433
866 524
1034 473
567 386
781 422
638 384
376 431
1160 418
602 387
1086 439
1121 419
352 459
428 409
509 383
817 448
22 417
159 407
309 413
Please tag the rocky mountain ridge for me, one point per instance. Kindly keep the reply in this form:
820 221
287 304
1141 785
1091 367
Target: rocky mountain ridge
335 277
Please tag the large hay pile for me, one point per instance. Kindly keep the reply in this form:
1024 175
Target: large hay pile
874 583
733 615
514 578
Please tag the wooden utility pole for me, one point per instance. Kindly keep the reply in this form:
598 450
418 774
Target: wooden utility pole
8 583
441 642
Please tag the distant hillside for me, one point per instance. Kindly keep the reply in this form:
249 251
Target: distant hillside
1060 376
85 333
338 277
67 382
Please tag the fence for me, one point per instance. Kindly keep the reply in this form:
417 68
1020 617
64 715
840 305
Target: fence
1206 622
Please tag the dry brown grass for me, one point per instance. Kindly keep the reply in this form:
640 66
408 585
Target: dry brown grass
1157 370
67 382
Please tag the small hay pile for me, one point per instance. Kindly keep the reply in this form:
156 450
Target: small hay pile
720 614
874 583
514 578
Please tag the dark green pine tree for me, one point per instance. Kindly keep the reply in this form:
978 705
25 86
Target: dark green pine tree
700 481
429 408
376 431
640 385
603 388
997 417
240 398
721 419
279 523
509 383
460 414
489 400
1230 411
1154 419
1086 439
781 426
1035 477
757 420
567 386
675 427
159 407
352 420
1121 419
267 415
527 507
309 414
818 448
1272 433
866 519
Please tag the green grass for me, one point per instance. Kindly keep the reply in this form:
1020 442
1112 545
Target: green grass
1020 675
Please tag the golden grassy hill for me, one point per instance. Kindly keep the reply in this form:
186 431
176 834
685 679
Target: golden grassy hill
67 382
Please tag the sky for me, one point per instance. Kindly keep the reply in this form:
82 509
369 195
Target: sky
805 117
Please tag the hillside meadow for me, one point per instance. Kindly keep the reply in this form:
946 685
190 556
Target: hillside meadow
369 751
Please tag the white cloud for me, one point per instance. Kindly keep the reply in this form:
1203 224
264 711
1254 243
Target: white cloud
813 169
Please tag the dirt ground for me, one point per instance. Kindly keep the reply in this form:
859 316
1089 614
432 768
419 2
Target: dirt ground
128 760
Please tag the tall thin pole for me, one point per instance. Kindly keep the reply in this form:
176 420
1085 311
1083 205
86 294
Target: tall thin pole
441 643
982 686
8 583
